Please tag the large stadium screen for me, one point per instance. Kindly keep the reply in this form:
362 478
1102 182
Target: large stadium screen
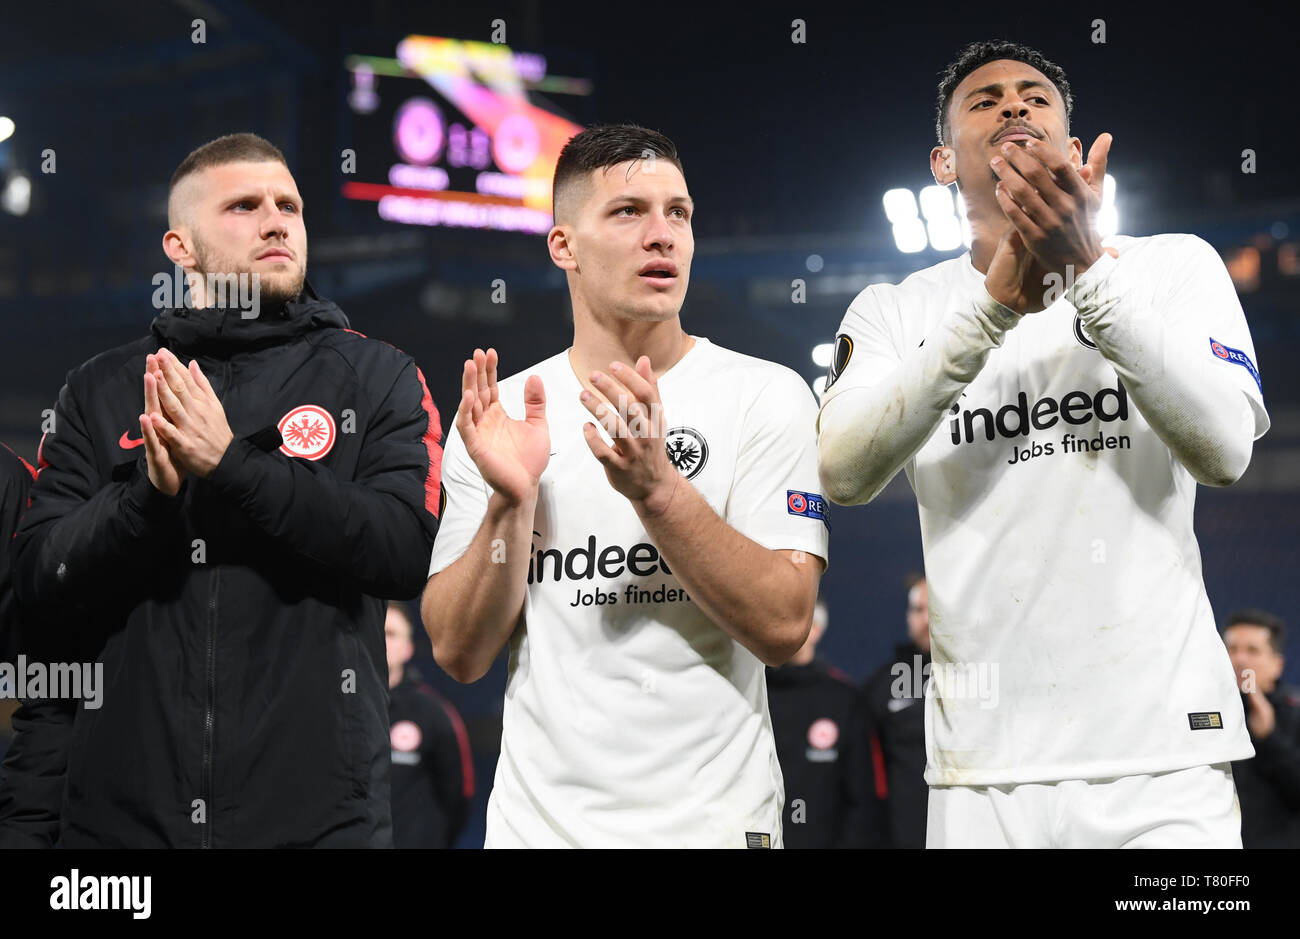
472 133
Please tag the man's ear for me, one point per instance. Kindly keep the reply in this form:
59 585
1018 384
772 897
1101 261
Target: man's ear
1076 153
561 248
943 165
176 245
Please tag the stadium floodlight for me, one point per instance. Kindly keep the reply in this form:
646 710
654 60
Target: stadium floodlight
821 354
900 205
16 198
936 203
909 235
819 385
945 233
962 221
1108 214
6 128
942 230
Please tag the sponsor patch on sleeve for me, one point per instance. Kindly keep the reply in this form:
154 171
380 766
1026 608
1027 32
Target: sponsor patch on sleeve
758 839
807 504
1205 720
1229 354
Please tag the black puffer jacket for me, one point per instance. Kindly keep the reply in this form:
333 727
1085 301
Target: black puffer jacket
15 482
239 623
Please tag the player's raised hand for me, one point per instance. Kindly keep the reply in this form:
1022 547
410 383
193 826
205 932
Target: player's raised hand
165 474
1261 716
1016 279
627 404
193 422
1053 206
1094 171
510 454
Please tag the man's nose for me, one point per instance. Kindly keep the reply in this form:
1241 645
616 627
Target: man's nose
659 234
273 224
1013 109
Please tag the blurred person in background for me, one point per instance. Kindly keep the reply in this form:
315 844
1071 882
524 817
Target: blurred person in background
433 772
823 749
32 774
894 698
16 476
1268 786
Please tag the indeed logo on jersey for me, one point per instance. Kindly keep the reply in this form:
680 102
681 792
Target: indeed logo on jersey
608 563
585 563
1236 356
1019 418
807 504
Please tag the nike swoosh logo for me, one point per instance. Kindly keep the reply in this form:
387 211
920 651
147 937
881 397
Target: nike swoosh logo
899 704
126 443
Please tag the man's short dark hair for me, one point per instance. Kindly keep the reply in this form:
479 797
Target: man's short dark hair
608 145
982 53
1251 616
232 148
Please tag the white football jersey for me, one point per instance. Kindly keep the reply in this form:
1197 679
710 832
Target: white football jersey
630 718
1072 636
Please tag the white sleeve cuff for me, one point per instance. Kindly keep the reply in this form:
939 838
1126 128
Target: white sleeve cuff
1095 286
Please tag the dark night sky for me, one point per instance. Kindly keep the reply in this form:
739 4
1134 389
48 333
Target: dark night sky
804 138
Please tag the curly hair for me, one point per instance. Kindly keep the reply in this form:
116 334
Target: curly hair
981 53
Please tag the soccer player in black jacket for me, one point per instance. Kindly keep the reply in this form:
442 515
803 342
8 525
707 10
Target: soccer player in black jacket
15 482
31 779
223 504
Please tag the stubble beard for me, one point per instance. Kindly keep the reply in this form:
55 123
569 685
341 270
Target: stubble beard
274 289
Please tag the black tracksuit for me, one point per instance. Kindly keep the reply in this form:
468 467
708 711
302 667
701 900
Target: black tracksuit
896 725
239 623
433 771
31 781
1268 786
822 748
15 482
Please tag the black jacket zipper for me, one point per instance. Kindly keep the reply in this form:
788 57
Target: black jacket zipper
210 702
209 716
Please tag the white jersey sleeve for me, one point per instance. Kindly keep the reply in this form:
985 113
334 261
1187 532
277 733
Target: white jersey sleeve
465 500
1181 345
883 400
775 497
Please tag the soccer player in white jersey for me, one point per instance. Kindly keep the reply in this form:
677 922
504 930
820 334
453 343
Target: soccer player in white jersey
1054 403
638 517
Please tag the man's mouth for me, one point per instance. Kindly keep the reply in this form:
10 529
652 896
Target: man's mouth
1014 134
661 272
275 254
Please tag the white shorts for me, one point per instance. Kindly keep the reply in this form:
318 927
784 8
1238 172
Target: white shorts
1186 808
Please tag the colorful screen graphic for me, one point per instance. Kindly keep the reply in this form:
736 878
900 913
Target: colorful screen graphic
472 149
